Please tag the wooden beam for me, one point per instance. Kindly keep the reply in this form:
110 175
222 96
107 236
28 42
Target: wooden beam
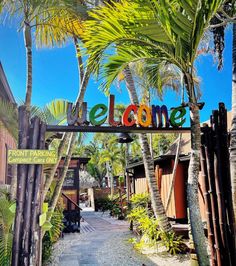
109 129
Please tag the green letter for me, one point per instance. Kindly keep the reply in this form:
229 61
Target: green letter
174 117
93 116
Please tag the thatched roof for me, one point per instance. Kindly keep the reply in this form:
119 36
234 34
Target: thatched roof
86 180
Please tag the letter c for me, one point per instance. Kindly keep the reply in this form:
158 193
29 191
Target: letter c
125 117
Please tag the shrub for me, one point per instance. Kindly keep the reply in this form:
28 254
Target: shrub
54 233
140 200
148 228
7 215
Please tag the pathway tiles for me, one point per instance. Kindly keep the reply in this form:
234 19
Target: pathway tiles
105 244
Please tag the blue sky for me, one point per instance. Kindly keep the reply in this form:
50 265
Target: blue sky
55 75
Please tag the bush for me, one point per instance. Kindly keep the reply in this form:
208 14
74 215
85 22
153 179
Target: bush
7 215
140 200
54 233
148 228
103 204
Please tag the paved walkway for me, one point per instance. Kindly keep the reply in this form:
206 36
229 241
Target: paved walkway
103 241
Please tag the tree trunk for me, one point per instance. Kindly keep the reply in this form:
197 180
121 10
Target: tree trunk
111 177
51 176
83 85
57 190
28 47
157 205
233 129
193 176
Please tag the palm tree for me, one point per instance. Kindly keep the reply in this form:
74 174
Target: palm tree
114 159
56 29
157 205
160 31
30 14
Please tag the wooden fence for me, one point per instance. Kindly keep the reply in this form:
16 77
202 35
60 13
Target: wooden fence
217 188
27 233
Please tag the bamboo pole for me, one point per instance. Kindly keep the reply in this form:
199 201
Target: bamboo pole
212 191
227 180
33 143
36 233
21 180
208 210
219 190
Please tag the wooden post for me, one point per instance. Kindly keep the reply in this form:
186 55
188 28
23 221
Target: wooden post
219 188
226 179
212 190
37 201
23 117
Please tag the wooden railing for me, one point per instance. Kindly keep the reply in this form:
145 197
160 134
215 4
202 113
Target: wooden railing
71 217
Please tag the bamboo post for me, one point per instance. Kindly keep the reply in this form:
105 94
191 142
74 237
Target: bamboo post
33 143
212 191
23 115
219 189
226 179
208 210
36 233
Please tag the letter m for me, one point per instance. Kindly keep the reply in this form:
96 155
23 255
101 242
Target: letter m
158 114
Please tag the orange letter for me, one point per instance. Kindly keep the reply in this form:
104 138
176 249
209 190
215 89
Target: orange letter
148 117
126 119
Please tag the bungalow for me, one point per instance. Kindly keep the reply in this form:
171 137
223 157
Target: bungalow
163 171
177 209
7 141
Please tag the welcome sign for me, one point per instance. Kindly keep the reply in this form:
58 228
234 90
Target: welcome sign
154 116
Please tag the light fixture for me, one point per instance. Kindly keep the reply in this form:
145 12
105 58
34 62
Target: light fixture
124 138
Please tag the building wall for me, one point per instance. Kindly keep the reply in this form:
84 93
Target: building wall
178 204
6 142
141 185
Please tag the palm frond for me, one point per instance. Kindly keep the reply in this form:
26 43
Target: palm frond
127 28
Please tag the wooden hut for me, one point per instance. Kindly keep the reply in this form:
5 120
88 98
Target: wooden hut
164 164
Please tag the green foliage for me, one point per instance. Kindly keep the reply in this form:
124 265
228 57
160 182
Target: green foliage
47 247
108 204
103 204
173 243
54 233
6 229
147 227
140 200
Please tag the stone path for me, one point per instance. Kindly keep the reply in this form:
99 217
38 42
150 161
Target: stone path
103 241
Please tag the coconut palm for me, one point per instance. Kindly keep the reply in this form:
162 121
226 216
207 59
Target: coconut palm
161 31
55 30
113 156
29 14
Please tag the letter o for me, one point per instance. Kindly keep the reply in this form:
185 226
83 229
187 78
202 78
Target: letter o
148 120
